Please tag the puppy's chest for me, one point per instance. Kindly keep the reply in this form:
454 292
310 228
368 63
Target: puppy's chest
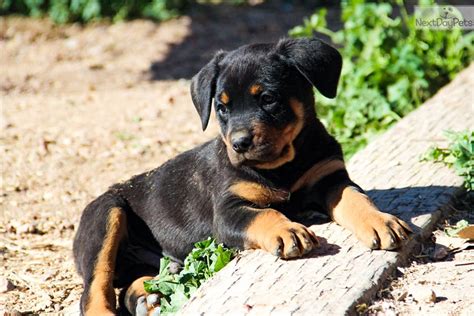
276 194
292 193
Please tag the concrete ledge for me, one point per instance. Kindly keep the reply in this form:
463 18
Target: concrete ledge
333 279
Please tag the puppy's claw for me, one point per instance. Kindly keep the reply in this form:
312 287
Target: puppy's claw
375 244
142 308
393 243
405 226
278 251
148 305
308 246
153 299
314 239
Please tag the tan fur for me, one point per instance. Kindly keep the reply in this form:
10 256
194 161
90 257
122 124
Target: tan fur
356 212
258 194
282 140
317 172
101 299
224 98
274 232
230 152
255 89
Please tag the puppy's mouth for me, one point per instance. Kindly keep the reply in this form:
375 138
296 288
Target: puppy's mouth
268 157
264 158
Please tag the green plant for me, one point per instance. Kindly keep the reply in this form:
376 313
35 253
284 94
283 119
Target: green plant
389 68
458 155
452 231
205 259
62 11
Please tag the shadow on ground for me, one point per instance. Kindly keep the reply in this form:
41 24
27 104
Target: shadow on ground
216 27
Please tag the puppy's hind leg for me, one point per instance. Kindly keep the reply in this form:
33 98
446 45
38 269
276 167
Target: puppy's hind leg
103 226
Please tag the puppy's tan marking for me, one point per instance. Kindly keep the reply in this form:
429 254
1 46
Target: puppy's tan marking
356 212
272 231
134 291
224 98
258 194
101 299
282 140
255 89
317 172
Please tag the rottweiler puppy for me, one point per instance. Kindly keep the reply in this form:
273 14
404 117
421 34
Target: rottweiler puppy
273 158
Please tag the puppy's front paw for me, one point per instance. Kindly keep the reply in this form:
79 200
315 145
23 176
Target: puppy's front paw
377 230
273 232
291 240
382 231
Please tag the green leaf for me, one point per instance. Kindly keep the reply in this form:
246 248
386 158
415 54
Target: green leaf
454 230
459 155
206 258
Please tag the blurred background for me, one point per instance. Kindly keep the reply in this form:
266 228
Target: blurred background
95 91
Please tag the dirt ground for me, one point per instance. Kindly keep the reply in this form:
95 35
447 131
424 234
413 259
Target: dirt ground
85 107
439 278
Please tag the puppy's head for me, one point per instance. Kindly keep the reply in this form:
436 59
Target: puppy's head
263 95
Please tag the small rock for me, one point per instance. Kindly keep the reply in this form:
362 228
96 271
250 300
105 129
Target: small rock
28 228
361 308
423 294
402 296
96 66
11 229
72 43
174 267
440 252
388 309
5 285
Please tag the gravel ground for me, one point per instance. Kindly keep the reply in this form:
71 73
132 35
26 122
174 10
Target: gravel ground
439 279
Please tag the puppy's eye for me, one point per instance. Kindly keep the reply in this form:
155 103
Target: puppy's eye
221 109
267 98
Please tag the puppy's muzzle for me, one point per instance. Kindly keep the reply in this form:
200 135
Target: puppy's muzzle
241 141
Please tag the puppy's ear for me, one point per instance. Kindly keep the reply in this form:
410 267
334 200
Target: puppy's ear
203 88
317 61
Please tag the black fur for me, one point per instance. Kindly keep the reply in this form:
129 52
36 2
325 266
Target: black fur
321 68
203 88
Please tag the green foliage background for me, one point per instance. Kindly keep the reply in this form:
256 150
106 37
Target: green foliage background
458 155
62 11
389 67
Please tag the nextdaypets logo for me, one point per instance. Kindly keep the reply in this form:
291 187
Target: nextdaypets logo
444 17
448 13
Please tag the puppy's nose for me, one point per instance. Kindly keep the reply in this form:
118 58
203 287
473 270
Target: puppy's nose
241 142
